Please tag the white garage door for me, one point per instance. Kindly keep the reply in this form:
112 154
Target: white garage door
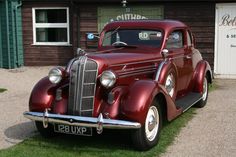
225 40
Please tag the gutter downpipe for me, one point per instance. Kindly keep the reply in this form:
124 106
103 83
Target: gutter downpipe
8 32
16 34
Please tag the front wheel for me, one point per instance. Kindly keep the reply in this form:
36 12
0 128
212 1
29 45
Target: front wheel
148 135
203 101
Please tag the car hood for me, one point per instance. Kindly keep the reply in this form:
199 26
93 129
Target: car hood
123 56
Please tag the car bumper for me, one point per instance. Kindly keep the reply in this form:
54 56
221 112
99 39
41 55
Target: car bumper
98 123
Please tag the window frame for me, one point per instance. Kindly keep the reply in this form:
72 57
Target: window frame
51 25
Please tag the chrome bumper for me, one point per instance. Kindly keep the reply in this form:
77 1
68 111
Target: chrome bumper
98 123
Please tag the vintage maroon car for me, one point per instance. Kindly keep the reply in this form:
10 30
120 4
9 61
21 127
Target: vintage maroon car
144 72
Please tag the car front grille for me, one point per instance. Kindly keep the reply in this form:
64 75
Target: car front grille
82 86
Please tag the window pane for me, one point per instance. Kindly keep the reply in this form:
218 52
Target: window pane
51 35
175 40
50 15
137 37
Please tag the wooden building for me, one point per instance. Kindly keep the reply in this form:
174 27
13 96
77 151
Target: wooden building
53 30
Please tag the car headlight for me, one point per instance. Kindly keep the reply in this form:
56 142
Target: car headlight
55 75
108 79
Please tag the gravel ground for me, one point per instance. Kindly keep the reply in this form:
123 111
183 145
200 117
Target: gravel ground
212 132
19 83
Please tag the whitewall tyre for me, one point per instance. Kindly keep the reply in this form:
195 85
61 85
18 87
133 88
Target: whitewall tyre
203 101
148 135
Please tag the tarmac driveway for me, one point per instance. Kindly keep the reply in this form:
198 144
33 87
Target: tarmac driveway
212 132
19 83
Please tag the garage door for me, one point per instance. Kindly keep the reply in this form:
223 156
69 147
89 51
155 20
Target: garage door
225 45
107 14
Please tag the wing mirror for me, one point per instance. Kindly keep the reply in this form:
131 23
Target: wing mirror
91 36
165 53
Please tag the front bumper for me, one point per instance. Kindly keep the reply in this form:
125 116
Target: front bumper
98 123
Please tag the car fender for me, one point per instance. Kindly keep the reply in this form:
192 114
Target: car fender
202 69
41 96
139 98
164 68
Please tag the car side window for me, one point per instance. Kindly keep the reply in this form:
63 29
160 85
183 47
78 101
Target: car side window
175 40
189 39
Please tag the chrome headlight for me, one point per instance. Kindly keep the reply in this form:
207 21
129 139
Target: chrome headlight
55 75
108 79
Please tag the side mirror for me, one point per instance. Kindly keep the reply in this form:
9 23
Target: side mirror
164 53
91 36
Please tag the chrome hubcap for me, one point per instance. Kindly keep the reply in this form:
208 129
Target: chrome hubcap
170 84
152 123
205 88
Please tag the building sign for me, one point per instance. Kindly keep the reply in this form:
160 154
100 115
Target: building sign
229 21
108 14
225 43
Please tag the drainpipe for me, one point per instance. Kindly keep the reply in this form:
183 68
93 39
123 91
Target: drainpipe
16 34
8 32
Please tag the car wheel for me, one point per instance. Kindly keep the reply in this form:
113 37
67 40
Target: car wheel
45 132
203 101
148 135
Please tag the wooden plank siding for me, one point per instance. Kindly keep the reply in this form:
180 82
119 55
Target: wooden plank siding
87 23
200 17
38 55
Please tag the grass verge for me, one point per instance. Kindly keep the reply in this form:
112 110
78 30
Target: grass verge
2 90
110 144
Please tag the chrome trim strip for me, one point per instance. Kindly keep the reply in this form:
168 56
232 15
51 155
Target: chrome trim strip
82 121
159 70
146 61
135 71
138 68
133 74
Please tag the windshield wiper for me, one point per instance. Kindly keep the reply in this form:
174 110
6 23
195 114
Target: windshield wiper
112 33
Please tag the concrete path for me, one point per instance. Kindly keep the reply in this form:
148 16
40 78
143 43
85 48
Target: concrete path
19 82
212 131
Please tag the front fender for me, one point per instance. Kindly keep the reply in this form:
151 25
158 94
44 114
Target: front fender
41 96
140 96
202 69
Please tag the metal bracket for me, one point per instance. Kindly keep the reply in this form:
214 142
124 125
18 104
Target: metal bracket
45 118
100 124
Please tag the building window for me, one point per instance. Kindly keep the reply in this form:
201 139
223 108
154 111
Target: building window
51 26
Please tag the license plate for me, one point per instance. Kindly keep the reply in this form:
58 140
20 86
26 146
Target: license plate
75 130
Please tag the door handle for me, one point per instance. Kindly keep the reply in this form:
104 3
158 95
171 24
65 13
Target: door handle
188 57
232 45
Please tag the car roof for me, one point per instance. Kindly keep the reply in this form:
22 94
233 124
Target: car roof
152 24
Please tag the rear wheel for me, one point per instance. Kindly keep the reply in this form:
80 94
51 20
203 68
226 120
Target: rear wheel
148 135
203 101
45 132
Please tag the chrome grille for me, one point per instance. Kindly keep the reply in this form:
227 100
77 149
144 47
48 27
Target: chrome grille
83 76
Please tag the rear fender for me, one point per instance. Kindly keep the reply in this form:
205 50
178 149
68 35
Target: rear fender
139 98
202 69
42 95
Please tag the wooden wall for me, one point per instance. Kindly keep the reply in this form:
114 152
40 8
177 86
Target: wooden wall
200 16
35 55
201 19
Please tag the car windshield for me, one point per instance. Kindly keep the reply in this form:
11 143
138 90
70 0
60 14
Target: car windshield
134 37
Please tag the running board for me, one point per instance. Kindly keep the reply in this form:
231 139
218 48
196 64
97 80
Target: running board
187 101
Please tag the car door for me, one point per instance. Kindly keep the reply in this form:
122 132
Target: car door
178 51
